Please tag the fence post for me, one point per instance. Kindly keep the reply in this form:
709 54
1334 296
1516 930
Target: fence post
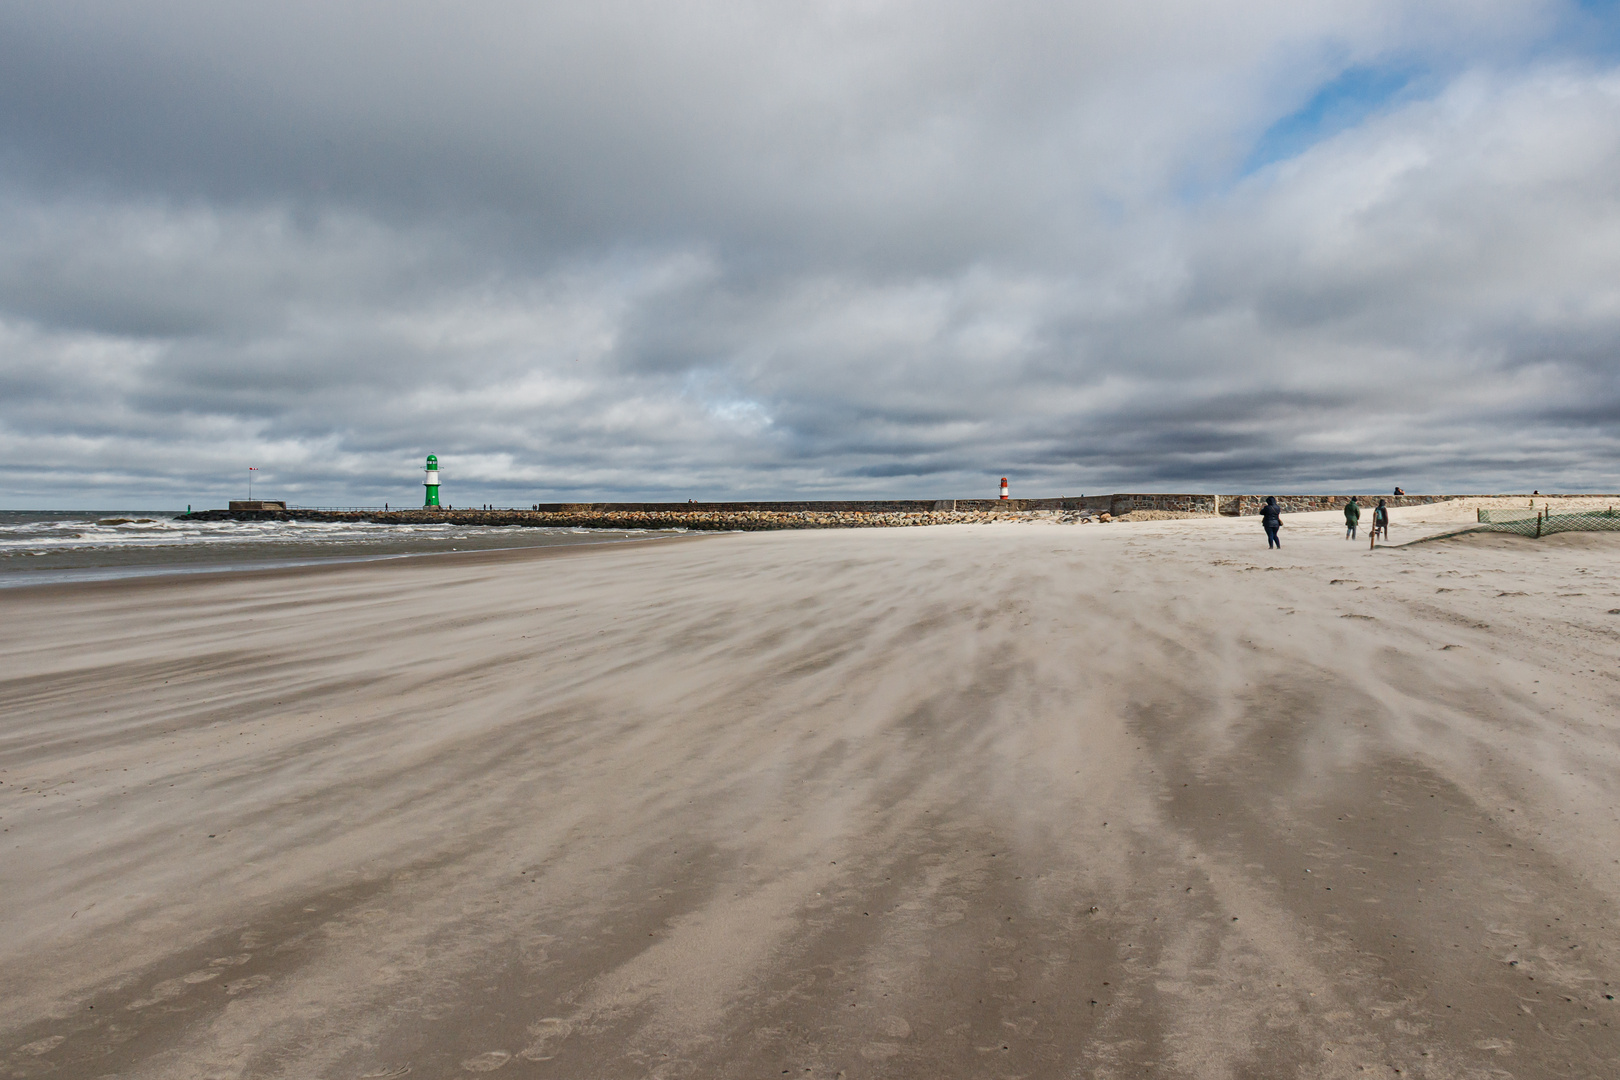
1538 526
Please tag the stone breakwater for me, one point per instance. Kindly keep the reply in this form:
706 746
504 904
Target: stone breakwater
898 513
1245 505
694 520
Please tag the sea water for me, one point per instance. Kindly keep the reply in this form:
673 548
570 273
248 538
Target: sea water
47 547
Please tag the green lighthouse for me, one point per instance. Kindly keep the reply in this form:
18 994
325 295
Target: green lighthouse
432 481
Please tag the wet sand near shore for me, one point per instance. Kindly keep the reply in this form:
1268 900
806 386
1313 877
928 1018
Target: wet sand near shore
969 801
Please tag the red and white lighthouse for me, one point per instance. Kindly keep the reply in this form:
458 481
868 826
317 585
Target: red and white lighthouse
1004 487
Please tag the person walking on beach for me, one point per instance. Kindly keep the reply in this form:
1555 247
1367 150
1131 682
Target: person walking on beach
1352 518
1381 520
1271 518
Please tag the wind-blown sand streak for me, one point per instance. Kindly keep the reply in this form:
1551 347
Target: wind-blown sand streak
969 801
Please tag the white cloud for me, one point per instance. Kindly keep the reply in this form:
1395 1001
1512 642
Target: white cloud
865 248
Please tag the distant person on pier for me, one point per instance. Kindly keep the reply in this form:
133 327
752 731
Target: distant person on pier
1381 520
1352 518
1271 518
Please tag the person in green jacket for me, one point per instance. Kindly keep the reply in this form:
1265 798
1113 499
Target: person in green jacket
1352 518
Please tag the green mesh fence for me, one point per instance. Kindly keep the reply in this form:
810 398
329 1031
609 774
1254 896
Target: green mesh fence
1532 522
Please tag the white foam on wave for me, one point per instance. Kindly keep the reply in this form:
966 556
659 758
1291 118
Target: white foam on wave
60 535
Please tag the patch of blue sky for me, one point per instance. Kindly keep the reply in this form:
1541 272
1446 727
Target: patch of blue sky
1338 105
1594 31
1586 30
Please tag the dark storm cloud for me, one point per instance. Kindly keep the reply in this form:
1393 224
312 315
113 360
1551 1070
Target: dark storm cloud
893 248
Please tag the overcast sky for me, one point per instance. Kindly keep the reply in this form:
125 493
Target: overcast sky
834 249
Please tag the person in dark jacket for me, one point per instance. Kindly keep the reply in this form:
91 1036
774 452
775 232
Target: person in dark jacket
1352 518
1271 518
1381 520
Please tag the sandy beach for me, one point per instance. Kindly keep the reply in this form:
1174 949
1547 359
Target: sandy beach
1036 800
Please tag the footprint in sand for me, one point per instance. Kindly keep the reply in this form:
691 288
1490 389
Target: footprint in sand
242 986
169 989
547 1033
895 1027
879 1051
42 1046
488 1061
